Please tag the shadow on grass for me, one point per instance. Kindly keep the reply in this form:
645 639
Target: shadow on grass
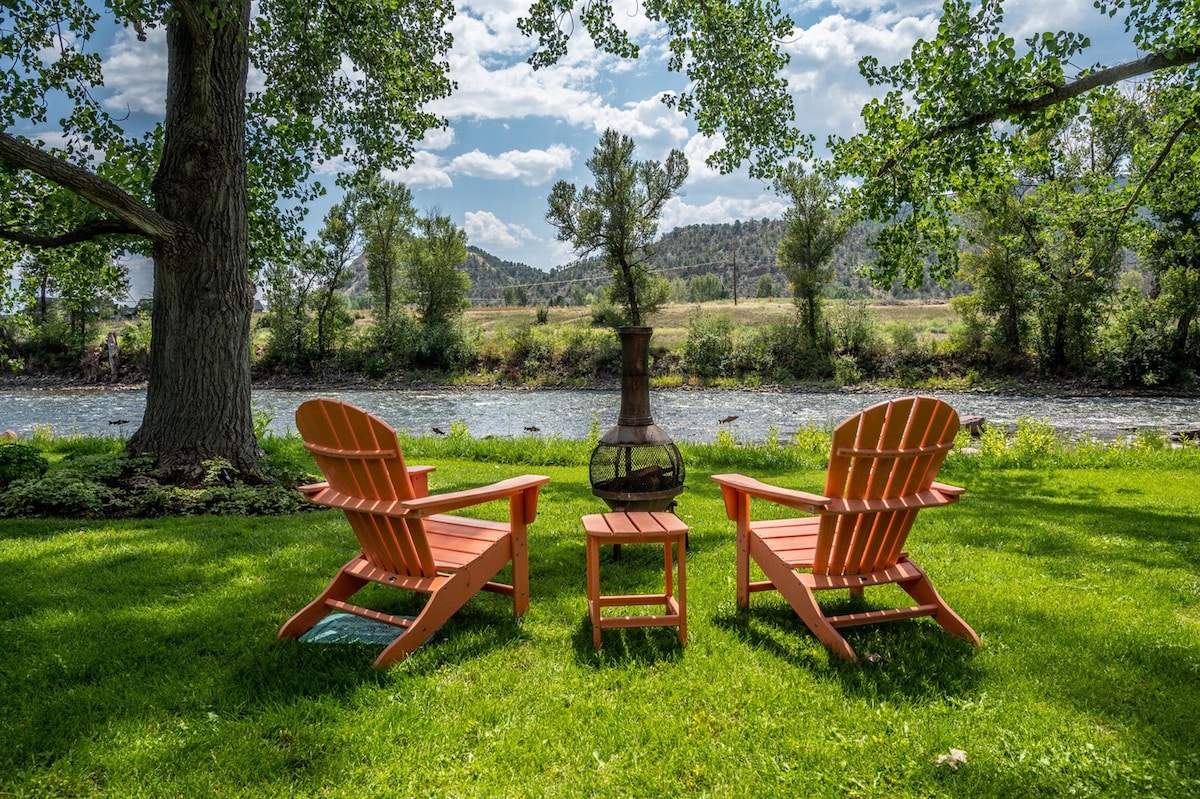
631 646
912 659
1055 520
144 623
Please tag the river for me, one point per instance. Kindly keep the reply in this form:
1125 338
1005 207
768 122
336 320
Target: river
687 415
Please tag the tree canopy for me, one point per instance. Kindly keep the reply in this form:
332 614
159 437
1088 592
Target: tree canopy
958 112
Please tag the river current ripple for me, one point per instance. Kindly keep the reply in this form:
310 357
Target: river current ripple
687 415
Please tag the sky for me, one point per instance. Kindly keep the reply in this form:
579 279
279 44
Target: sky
514 132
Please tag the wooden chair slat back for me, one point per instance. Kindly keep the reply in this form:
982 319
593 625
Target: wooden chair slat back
890 450
360 456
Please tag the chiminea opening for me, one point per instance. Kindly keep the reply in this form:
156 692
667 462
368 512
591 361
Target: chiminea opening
636 466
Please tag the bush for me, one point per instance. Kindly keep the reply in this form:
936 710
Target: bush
766 287
709 345
442 347
846 371
853 328
782 351
1137 345
589 353
244 500
605 314
134 343
58 494
20 462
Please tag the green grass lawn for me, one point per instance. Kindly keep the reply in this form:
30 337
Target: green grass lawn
139 658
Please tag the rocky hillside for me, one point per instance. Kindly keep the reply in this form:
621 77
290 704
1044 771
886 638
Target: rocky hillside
746 248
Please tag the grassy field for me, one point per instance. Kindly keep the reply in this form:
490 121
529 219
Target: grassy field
140 657
671 323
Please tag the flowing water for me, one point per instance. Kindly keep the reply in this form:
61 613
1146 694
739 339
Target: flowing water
686 415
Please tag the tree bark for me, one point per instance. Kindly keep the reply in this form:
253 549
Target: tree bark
198 395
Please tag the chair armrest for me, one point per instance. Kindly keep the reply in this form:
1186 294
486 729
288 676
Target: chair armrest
323 494
312 489
419 477
950 491
455 500
512 488
740 484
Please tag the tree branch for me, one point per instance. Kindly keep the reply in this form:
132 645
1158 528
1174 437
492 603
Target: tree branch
1104 77
86 232
1185 126
137 215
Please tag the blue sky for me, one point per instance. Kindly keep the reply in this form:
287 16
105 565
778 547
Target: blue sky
513 132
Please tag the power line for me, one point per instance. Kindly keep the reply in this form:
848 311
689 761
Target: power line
604 277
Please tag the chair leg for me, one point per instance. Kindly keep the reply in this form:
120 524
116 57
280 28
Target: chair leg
343 587
790 584
520 574
442 604
921 589
742 568
804 602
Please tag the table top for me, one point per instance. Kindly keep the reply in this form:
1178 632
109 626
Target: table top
634 524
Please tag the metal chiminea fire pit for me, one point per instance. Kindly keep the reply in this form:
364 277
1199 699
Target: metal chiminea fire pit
636 466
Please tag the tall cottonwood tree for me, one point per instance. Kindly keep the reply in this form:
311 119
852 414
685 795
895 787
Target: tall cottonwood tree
433 281
997 267
338 79
384 214
617 218
813 229
341 243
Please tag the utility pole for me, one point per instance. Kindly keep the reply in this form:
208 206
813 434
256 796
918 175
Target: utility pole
735 272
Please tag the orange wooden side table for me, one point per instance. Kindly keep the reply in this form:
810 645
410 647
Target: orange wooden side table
642 527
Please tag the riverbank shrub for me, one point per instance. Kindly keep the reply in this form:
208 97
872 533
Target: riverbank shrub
533 354
133 343
708 349
20 462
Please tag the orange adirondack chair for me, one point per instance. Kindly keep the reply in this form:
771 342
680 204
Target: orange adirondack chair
881 472
407 541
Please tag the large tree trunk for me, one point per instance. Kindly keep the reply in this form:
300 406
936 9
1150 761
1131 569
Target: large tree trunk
198 397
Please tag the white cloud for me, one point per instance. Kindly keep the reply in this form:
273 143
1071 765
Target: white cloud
655 127
827 89
697 150
485 229
531 167
140 70
495 82
438 139
677 212
428 171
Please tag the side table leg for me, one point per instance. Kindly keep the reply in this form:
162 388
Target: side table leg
593 587
682 546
